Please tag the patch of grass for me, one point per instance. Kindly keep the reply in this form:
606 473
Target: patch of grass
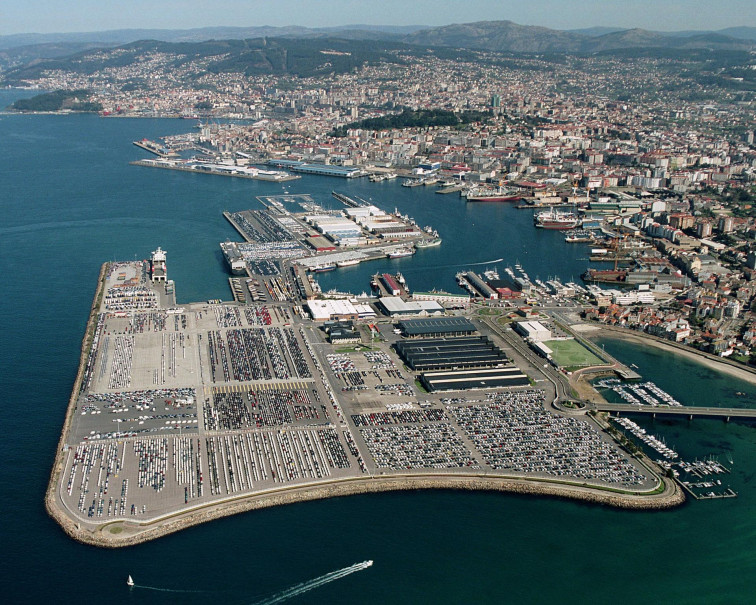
571 354
488 311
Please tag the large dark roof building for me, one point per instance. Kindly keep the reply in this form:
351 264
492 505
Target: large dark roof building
437 327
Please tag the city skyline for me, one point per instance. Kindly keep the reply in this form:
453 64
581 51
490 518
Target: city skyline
50 16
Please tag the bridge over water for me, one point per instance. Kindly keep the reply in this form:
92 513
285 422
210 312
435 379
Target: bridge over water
689 411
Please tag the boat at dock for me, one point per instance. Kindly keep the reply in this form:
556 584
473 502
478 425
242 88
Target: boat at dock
553 219
486 194
428 243
580 236
605 277
401 252
349 262
382 176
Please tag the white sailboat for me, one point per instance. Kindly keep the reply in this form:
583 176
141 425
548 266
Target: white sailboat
130 582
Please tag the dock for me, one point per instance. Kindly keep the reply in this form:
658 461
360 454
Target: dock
217 169
348 201
156 148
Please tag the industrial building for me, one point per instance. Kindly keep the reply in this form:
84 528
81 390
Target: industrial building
324 310
437 327
487 378
391 285
437 354
341 332
393 306
444 298
534 330
481 286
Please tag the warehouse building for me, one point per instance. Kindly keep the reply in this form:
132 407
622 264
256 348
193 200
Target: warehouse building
437 354
437 327
393 305
534 330
488 378
324 310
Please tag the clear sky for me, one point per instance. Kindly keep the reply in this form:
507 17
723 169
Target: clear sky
48 16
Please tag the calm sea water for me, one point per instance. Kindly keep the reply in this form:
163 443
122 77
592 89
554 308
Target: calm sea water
69 200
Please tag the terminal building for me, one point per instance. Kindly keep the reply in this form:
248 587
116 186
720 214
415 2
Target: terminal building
347 172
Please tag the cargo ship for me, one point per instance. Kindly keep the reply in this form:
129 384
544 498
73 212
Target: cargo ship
552 219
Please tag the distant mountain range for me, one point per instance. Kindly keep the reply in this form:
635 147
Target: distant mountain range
502 36
742 33
506 36
116 37
301 57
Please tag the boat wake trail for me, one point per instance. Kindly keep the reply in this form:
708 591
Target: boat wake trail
309 585
168 589
489 262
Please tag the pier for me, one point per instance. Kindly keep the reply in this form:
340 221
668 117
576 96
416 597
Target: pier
218 169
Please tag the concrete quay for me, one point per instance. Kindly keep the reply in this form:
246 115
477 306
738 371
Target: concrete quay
180 415
119 534
281 178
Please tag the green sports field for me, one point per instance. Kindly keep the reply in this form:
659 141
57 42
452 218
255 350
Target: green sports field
571 354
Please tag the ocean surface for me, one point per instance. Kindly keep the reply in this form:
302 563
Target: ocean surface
69 200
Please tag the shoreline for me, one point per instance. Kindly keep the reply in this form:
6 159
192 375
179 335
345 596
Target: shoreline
104 536
59 463
710 361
